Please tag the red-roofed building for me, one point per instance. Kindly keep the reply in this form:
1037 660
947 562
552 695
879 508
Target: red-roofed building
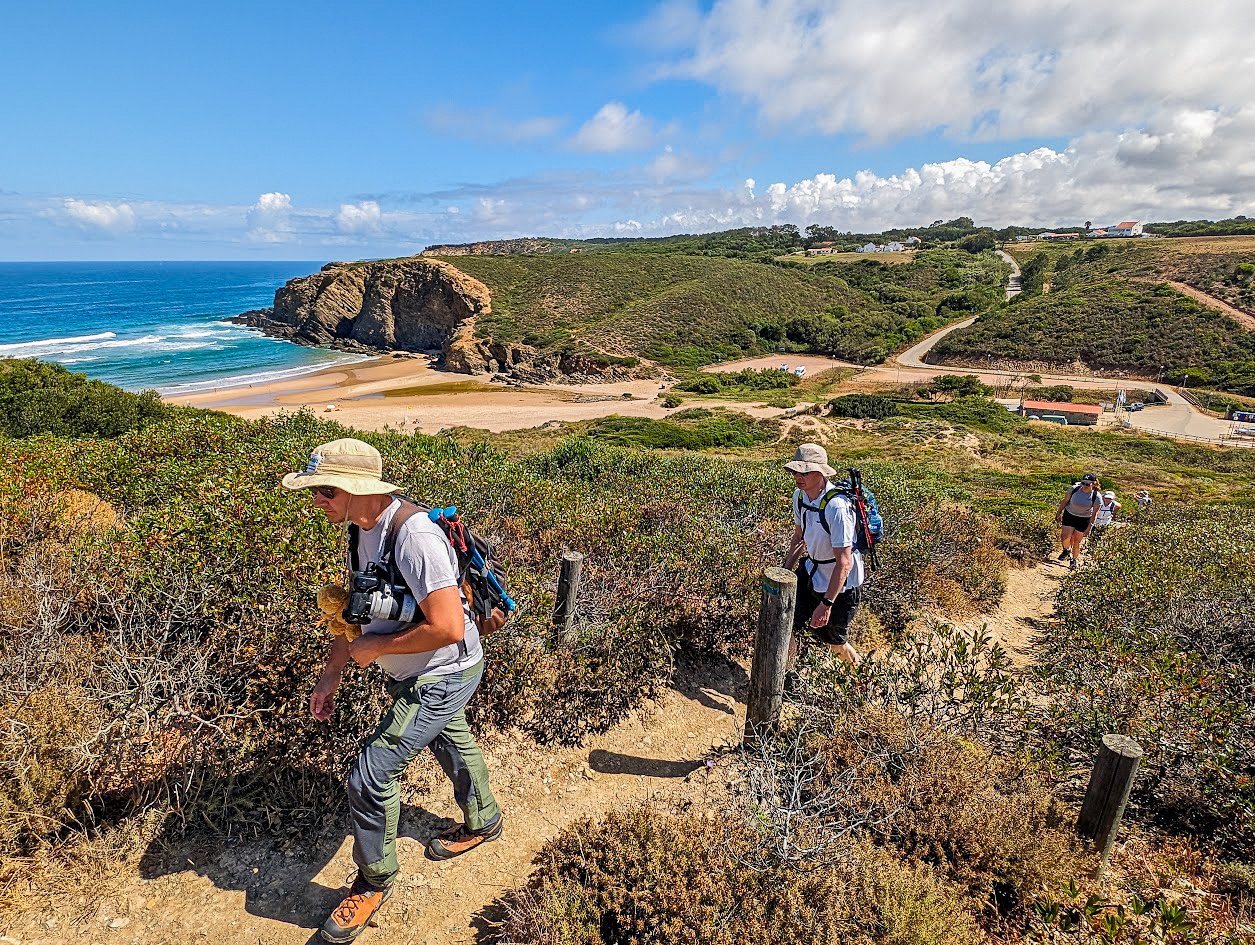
1076 414
1128 228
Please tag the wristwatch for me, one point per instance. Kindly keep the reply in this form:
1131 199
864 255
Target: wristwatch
826 602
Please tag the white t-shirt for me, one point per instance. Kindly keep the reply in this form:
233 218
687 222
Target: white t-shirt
820 544
428 563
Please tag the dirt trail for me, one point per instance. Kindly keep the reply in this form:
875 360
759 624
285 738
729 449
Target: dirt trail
250 893
1242 318
1025 609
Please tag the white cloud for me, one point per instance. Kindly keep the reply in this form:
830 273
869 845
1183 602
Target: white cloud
100 215
1199 166
269 220
614 129
363 217
891 68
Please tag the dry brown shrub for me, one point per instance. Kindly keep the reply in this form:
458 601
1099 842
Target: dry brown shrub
81 513
989 823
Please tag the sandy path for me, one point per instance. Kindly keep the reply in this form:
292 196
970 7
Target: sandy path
1024 611
1242 318
250 893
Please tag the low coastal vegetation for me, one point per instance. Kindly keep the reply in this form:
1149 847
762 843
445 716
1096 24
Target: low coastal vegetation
1110 307
684 311
41 398
157 647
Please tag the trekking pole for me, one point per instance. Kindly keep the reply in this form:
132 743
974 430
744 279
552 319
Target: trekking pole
771 651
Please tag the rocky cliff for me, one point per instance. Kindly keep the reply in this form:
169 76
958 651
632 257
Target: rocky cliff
528 245
412 304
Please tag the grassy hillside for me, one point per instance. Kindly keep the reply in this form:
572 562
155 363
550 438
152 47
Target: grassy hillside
1107 304
690 310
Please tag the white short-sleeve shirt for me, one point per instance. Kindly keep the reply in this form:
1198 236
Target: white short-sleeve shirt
427 562
820 543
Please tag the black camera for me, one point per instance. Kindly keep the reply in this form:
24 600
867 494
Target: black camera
373 596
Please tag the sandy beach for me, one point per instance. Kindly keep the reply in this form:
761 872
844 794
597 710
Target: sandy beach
408 393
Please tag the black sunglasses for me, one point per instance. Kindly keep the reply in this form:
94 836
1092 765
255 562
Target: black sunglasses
327 492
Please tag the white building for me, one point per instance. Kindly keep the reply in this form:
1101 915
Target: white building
1129 228
869 248
893 248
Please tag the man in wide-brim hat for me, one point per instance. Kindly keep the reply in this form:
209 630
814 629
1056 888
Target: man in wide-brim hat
432 665
830 571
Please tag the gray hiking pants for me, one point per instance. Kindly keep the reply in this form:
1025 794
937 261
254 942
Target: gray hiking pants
425 712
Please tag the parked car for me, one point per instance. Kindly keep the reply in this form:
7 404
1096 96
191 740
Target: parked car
1054 418
1136 406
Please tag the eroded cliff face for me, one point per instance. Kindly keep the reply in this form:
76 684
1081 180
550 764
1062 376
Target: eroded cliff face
398 305
414 304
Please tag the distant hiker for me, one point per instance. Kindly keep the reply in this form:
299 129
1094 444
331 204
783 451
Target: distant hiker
432 663
1107 509
830 575
1143 499
1076 514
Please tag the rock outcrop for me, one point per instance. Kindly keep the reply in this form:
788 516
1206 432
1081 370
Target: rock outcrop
398 305
415 304
527 245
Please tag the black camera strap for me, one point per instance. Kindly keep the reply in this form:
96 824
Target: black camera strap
387 548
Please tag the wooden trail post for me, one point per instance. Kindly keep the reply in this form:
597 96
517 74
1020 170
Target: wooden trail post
1110 783
568 589
771 650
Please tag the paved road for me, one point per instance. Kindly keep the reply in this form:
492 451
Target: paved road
1177 417
1013 283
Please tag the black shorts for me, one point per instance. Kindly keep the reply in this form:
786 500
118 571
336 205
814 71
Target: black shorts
1078 522
837 630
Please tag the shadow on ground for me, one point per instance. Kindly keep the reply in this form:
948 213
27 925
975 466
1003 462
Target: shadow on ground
281 879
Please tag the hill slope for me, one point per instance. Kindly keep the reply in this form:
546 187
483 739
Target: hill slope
689 310
1110 306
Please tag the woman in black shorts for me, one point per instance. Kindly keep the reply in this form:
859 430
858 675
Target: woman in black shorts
1076 514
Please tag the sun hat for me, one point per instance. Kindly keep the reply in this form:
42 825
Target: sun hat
347 464
810 457
1108 494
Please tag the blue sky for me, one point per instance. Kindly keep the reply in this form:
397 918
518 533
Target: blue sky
285 130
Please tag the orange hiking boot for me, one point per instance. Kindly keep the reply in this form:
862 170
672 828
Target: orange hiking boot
461 840
356 911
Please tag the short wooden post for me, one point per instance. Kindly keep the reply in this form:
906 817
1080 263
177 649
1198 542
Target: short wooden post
1110 784
568 590
771 650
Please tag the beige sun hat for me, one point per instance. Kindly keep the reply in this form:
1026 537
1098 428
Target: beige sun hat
810 457
347 464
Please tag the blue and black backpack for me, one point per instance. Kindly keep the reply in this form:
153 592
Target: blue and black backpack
869 527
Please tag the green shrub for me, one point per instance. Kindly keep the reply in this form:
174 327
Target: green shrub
40 398
692 429
863 406
640 877
1156 644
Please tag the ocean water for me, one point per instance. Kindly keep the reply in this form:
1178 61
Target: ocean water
158 325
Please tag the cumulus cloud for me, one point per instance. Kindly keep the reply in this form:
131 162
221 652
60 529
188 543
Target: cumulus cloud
269 220
614 129
101 216
363 217
890 68
1197 167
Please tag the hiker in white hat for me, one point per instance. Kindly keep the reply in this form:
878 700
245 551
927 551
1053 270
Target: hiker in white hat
417 627
1107 509
830 571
